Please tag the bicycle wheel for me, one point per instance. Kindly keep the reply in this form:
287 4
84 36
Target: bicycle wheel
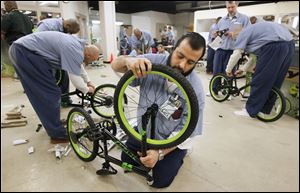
274 108
102 100
59 76
288 105
80 125
174 122
219 87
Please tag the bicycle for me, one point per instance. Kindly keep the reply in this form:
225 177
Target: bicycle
85 134
221 87
101 101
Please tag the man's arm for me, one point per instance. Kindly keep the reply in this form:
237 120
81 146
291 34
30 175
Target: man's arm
139 66
78 82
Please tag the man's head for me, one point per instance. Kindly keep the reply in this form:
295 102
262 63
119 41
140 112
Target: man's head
188 50
71 26
232 7
160 49
10 5
137 33
253 19
169 28
91 53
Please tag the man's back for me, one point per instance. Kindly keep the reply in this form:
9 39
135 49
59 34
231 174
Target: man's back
51 24
15 25
57 48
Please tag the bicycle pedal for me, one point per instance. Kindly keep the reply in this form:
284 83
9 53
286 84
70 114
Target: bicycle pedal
107 171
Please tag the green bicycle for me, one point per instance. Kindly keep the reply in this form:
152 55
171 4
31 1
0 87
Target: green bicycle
173 100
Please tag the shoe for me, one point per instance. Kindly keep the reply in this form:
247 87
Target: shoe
242 113
59 140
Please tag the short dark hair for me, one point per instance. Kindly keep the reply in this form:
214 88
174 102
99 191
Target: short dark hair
196 41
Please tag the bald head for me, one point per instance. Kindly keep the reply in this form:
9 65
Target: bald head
91 53
137 33
71 26
10 5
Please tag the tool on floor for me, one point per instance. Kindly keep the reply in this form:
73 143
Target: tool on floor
20 141
39 127
30 150
57 149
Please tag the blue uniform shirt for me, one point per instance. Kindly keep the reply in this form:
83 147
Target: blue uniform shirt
62 51
256 36
165 126
146 40
212 29
51 24
237 21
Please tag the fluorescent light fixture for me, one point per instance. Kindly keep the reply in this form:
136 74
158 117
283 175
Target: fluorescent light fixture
119 23
295 22
95 22
48 2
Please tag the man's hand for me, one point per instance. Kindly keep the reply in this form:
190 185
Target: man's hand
239 72
139 67
91 89
91 85
150 159
229 74
229 34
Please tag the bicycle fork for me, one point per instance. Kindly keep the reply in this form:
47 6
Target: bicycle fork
150 113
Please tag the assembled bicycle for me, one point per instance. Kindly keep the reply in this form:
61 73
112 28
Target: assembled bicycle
221 87
170 99
101 101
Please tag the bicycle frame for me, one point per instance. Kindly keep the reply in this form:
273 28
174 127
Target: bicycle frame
234 89
85 97
105 134
140 169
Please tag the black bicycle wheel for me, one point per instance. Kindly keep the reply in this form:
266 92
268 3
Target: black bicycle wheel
288 105
102 100
59 76
174 122
274 107
219 87
80 126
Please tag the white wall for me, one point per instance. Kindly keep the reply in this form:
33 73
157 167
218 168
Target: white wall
125 18
183 22
78 8
147 20
276 9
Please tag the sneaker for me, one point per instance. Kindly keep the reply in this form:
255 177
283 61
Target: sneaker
59 140
242 113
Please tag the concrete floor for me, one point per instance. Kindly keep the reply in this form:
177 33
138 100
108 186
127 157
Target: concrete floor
233 154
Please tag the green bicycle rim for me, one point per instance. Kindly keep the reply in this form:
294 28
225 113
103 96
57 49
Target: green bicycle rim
75 145
132 130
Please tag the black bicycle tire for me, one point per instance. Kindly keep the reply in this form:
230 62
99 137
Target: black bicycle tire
210 87
92 125
276 90
189 91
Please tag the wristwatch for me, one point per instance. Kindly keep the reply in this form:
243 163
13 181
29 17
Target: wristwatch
160 155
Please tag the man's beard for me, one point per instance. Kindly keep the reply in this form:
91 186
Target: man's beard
179 70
